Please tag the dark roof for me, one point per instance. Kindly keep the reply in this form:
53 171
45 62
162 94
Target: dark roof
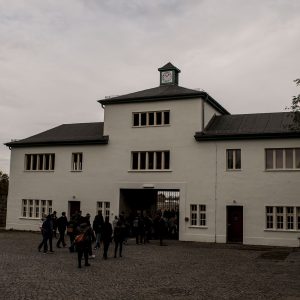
250 126
164 93
66 134
168 66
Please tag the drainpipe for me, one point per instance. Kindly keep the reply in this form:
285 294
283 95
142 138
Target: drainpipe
216 184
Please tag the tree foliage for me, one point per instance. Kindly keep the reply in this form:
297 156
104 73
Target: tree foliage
4 181
295 108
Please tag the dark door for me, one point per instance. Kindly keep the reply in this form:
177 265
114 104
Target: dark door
74 206
235 224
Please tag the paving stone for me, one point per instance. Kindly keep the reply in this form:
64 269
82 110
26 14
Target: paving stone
181 270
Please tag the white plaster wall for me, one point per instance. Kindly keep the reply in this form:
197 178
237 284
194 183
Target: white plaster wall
198 170
106 168
254 188
189 160
209 112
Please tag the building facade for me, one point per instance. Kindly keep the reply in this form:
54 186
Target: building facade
233 178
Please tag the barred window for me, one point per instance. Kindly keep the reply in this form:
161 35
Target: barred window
151 118
40 162
150 160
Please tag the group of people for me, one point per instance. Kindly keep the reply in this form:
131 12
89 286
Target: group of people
82 234
50 225
162 225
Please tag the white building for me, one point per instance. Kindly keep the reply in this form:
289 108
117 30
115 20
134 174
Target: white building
234 178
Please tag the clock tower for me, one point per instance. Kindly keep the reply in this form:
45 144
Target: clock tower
168 74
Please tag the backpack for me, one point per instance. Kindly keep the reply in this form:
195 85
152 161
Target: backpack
80 239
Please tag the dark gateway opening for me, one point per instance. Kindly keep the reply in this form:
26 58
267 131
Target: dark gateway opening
149 203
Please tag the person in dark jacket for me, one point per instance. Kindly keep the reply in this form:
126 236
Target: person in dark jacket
72 232
62 223
44 216
47 230
106 236
119 236
97 227
54 223
83 245
161 230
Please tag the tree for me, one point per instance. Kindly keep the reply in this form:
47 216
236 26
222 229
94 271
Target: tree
295 108
4 181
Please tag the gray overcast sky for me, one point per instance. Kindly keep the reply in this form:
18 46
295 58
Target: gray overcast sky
58 57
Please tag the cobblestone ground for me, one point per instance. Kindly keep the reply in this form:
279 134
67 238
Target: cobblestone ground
181 270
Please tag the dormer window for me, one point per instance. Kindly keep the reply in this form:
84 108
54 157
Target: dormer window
151 118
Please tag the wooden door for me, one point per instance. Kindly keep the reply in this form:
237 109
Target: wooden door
74 206
235 224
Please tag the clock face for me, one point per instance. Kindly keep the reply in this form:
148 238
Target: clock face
166 77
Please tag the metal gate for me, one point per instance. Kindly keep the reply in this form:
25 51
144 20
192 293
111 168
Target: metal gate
167 200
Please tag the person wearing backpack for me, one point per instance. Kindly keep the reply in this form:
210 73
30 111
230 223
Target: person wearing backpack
82 243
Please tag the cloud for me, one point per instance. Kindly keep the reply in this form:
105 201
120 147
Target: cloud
57 58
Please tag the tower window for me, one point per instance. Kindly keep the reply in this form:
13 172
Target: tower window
151 118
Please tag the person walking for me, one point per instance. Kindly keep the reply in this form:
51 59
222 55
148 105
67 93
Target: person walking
106 236
54 223
47 230
119 237
161 230
72 231
62 223
97 227
82 243
41 229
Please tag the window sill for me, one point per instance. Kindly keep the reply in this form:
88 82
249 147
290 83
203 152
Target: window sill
76 171
150 126
234 170
282 230
282 170
38 171
24 218
149 171
198 227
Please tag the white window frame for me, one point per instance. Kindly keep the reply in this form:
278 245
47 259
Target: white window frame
104 207
289 217
40 163
234 160
155 161
35 208
284 168
77 161
198 215
163 122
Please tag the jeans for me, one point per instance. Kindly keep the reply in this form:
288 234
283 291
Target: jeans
98 239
